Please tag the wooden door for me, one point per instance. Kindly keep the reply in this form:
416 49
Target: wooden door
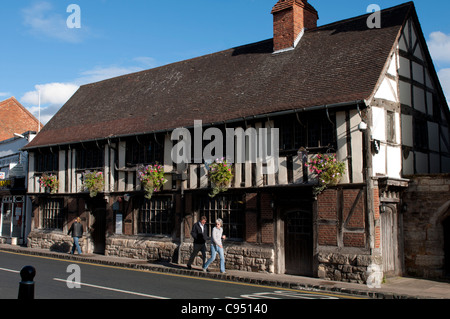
389 241
299 242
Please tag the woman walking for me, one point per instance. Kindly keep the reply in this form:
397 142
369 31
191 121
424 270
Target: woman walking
217 246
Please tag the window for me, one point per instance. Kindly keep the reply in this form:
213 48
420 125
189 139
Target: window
390 127
90 158
228 208
46 161
309 130
52 217
156 216
145 150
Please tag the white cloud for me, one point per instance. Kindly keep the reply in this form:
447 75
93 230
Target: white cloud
52 97
55 95
444 77
51 93
4 94
439 45
42 21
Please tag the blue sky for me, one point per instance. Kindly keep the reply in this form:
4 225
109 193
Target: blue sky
40 53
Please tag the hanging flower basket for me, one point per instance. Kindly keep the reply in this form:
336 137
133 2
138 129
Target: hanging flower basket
50 183
220 174
328 169
152 179
93 182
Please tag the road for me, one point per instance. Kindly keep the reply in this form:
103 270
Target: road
62 279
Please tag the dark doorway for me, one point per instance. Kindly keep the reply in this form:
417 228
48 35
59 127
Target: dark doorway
98 231
298 242
446 225
6 219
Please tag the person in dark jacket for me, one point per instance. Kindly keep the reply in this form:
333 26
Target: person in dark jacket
200 234
77 233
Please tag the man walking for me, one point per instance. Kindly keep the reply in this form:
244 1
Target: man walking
200 235
77 233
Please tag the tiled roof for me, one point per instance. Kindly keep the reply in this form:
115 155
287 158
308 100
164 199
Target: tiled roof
14 118
336 63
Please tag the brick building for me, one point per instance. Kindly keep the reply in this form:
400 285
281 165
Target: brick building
17 128
14 118
363 94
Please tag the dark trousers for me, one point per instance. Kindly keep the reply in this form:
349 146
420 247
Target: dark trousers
197 248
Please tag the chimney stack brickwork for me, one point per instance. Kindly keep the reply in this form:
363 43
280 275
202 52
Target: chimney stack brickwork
290 17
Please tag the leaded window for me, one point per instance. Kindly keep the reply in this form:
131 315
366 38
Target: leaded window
156 216
46 161
229 208
316 130
145 150
390 127
90 158
52 216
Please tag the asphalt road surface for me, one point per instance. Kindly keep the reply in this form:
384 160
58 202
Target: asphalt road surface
64 279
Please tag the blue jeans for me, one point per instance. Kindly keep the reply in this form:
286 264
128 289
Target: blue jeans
214 250
76 245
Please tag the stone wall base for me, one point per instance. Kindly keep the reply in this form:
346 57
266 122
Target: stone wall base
355 268
141 248
54 241
245 257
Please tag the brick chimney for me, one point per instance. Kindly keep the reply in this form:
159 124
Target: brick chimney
290 19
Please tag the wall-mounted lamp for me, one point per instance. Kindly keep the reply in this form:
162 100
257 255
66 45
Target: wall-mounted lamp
362 126
383 208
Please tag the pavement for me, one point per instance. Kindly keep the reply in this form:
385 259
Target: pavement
392 288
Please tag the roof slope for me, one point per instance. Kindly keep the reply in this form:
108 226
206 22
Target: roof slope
340 62
14 118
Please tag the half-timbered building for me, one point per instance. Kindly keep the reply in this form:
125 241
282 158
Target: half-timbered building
367 94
